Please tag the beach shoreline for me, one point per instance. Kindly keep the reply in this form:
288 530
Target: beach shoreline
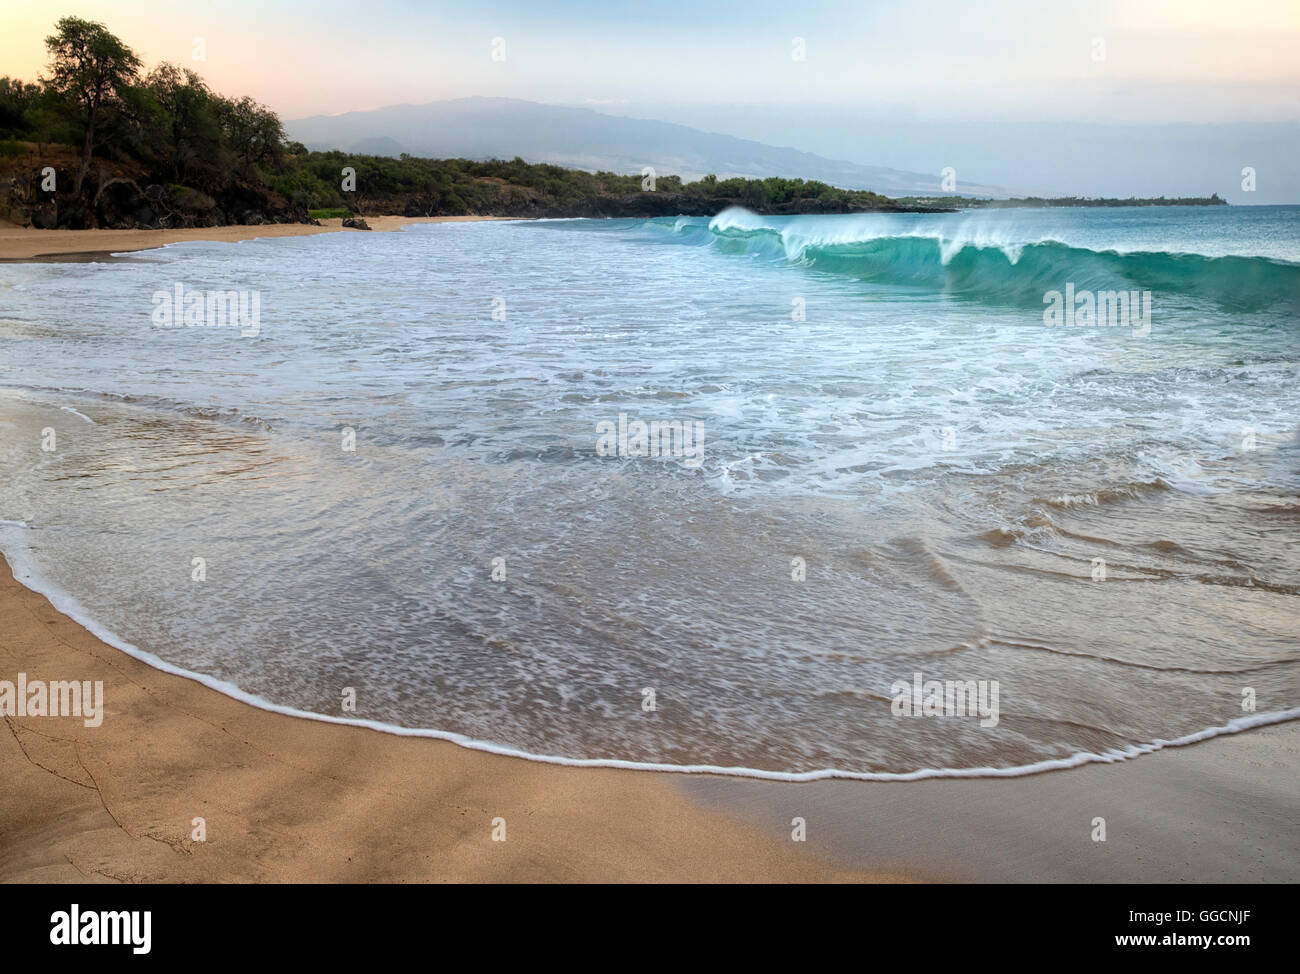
288 799
284 799
19 244
1219 811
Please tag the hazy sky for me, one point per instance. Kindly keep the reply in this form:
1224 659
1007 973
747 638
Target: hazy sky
1036 94
1190 60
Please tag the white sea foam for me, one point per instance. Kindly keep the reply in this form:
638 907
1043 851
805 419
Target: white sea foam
69 409
826 442
26 574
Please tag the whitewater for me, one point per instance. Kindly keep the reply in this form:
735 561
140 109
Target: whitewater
905 471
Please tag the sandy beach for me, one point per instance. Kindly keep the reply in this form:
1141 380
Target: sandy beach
24 243
285 799
291 800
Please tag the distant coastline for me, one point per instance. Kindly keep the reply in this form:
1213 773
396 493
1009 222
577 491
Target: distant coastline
1028 202
124 196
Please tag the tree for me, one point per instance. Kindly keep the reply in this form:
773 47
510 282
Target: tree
17 101
91 66
252 131
190 115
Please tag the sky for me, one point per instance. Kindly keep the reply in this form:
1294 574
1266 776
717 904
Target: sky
729 65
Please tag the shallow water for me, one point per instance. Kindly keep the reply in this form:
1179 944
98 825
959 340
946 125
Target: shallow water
879 397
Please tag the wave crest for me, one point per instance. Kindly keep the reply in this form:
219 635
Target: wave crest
993 267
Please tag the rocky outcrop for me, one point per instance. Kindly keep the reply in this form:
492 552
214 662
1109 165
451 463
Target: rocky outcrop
122 196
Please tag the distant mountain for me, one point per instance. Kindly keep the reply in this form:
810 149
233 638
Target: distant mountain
579 138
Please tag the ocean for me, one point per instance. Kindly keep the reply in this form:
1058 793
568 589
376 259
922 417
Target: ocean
689 493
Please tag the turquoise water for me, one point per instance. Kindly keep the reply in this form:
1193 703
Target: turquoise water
880 407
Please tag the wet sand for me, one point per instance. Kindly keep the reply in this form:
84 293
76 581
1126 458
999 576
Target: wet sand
285 799
1226 810
21 243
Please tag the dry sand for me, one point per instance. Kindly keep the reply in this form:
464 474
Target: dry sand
21 243
288 799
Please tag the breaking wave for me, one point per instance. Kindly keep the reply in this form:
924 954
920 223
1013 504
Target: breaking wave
1000 270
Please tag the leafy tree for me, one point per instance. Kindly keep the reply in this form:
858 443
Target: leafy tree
91 66
18 100
189 113
252 131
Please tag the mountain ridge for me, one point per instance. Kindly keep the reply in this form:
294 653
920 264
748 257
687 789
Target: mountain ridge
481 127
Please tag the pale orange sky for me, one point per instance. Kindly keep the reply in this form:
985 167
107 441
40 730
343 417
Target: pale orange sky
1191 60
